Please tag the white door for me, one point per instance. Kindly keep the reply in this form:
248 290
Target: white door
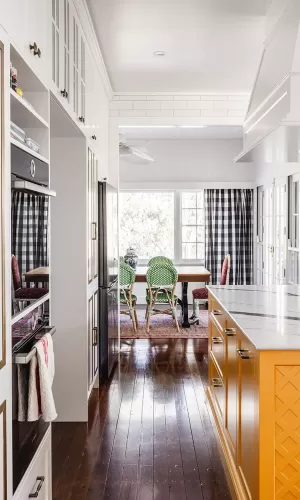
268 242
280 230
293 276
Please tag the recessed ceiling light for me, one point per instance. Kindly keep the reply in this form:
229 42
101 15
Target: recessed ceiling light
159 53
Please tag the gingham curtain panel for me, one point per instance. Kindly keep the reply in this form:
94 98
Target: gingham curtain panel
29 217
228 230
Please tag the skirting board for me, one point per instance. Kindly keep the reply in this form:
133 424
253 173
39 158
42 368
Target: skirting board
235 484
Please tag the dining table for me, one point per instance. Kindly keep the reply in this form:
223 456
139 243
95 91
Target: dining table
37 275
186 275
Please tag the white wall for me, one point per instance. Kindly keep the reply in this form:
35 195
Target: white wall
187 162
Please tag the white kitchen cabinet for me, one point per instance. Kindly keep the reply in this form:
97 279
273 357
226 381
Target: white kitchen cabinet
92 215
28 23
37 481
93 341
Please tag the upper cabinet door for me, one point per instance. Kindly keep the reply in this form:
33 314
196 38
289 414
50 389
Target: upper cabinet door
28 23
56 41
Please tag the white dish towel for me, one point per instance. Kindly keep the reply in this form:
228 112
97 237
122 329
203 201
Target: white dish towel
40 396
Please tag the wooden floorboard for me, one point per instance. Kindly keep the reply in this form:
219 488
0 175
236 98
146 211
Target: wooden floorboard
149 436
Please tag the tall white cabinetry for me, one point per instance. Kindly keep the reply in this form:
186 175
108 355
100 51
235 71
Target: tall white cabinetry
55 40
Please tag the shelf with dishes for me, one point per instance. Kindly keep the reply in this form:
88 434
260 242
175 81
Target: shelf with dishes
25 148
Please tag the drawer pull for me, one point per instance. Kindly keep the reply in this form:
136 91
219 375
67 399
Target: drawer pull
40 480
244 353
217 382
217 340
230 332
216 312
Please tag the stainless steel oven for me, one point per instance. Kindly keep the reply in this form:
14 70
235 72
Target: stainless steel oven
27 436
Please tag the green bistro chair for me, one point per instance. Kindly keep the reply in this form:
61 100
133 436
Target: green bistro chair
159 259
161 280
126 281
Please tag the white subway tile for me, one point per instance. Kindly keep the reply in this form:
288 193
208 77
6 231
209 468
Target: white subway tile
214 97
187 113
160 113
120 105
230 105
238 98
146 105
159 97
173 105
201 105
214 113
132 97
132 113
186 97
236 112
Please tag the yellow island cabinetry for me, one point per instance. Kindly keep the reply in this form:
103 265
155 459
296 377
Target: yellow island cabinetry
254 388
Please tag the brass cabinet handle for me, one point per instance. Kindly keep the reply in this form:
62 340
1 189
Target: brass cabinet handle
95 335
217 340
230 332
94 224
40 480
217 382
243 353
216 312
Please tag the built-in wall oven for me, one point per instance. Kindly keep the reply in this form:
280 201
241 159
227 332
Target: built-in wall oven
27 436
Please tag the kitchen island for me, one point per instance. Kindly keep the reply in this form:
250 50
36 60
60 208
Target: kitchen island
254 387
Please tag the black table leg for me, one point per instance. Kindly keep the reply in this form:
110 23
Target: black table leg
185 305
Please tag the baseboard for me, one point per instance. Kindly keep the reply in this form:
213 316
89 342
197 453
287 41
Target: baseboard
234 481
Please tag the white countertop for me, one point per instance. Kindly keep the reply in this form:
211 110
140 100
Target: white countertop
268 315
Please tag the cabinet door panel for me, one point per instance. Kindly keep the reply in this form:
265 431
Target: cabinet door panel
95 216
217 386
232 385
90 340
217 346
96 335
248 415
90 216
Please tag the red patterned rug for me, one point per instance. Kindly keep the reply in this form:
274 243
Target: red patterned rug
163 326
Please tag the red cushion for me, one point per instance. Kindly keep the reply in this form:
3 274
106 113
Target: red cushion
30 293
225 269
15 273
200 293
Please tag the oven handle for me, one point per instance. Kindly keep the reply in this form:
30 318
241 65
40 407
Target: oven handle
24 358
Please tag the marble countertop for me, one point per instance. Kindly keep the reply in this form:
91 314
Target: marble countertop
268 315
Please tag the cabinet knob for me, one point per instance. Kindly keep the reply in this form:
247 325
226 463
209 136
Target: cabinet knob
216 312
230 332
40 480
81 119
217 382
64 93
36 50
217 340
244 353
94 137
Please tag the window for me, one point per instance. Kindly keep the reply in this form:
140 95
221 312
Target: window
163 223
192 226
147 223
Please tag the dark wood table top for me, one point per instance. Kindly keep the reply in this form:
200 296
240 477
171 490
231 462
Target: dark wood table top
190 274
37 274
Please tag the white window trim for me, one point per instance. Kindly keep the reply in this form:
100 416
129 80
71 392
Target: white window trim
178 261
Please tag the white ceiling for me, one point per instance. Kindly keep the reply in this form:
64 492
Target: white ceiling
153 133
210 45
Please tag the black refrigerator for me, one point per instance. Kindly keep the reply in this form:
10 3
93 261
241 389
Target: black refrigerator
108 278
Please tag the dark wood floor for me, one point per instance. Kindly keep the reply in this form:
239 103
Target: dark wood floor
150 436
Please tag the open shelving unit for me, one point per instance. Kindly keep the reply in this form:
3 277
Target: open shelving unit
24 113
25 148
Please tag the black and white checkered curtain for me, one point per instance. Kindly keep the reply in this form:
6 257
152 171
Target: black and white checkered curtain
29 219
228 230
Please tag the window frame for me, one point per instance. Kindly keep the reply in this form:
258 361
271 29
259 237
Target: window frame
178 260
